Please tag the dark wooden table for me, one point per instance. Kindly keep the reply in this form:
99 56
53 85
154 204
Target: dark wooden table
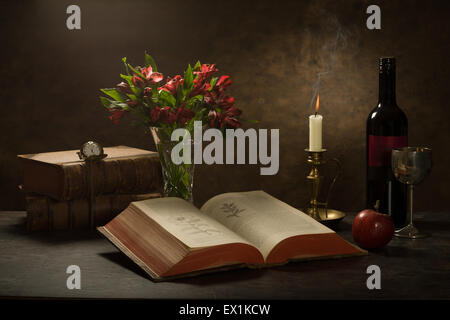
34 265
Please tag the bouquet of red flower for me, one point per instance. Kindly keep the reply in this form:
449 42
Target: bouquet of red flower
199 95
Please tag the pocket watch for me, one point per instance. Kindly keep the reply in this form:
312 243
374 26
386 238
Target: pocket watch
91 150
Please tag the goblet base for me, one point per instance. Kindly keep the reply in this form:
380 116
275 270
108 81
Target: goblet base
410 232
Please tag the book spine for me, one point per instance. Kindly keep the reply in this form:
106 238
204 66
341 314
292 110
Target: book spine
75 183
44 213
116 176
38 214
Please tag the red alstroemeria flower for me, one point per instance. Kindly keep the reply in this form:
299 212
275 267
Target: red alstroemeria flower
230 122
148 92
227 118
206 70
223 83
124 87
138 81
184 115
155 114
230 117
168 116
171 85
116 115
218 98
232 111
227 101
213 118
152 77
200 88
132 103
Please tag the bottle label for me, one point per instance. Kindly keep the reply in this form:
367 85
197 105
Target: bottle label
380 149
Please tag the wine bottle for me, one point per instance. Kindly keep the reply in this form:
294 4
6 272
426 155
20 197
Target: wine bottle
387 128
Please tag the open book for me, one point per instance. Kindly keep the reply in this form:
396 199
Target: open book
169 237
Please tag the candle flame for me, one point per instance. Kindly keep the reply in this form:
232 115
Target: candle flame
317 104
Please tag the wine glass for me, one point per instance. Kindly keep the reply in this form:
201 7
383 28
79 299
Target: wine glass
410 166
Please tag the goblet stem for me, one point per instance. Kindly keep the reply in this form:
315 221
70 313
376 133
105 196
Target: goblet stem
410 202
410 231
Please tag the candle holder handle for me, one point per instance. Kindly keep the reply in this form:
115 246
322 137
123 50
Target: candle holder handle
333 182
316 209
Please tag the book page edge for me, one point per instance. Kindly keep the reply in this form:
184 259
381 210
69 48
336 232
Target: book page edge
116 242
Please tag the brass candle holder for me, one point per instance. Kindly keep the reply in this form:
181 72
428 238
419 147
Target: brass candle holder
316 209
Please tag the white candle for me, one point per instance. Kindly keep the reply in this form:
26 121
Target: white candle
315 132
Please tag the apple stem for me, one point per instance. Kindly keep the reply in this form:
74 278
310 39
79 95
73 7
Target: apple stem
377 205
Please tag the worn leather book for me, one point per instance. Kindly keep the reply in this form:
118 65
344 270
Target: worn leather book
44 213
63 176
169 237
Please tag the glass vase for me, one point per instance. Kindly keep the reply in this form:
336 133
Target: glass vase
178 178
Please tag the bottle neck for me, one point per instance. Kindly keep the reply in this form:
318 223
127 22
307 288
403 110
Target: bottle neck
387 88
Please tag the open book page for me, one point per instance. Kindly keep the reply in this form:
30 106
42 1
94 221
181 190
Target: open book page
183 220
260 218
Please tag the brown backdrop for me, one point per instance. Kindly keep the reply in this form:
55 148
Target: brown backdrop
273 50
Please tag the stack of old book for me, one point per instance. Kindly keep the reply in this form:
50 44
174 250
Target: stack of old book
57 185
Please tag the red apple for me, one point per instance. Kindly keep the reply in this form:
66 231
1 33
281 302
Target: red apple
372 230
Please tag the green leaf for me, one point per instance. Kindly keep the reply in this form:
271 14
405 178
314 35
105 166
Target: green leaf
127 79
167 99
149 61
188 79
119 105
116 95
137 91
198 97
136 71
197 66
180 96
195 99
106 102
213 82
124 60
188 84
111 104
